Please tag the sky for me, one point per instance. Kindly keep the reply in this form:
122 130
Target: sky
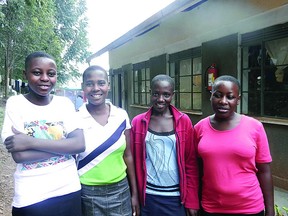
110 19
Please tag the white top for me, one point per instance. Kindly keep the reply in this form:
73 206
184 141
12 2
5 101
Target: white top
161 163
96 137
38 181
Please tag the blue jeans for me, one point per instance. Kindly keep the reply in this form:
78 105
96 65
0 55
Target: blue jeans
106 200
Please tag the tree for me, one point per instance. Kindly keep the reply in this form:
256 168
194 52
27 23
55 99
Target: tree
55 26
69 26
72 32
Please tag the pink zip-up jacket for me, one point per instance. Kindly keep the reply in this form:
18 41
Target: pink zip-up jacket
186 156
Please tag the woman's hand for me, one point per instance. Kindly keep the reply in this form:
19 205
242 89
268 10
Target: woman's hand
192 212
18 142
135 206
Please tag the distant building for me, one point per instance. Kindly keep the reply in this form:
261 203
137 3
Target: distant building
72 94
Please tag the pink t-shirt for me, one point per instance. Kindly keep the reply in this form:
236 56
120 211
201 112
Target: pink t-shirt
230 184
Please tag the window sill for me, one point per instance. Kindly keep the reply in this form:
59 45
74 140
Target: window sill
272 120
139 106
189 112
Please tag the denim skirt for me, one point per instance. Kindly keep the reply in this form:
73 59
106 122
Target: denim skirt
113 199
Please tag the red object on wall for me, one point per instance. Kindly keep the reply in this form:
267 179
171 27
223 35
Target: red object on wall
211 74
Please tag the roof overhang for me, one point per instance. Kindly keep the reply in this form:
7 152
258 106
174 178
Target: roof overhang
149 24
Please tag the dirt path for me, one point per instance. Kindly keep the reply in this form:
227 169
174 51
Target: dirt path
7 168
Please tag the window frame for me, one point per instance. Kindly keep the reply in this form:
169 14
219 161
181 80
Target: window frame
260 39
141 95
175 61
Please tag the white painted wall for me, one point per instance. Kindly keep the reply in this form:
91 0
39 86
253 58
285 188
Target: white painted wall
211 20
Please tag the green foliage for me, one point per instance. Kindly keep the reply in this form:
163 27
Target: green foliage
72 31
55 26
279 211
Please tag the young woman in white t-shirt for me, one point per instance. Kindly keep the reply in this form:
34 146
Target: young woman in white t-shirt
41 132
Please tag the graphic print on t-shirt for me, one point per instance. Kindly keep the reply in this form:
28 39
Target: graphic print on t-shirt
45 130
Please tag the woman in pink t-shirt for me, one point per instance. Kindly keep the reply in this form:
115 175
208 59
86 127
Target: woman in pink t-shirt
235 154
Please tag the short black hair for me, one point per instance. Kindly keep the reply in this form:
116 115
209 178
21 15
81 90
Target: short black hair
37 54
93 68
163 77
226 78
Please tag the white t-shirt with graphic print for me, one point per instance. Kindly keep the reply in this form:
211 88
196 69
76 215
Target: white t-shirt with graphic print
38 181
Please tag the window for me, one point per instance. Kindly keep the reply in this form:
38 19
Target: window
185 68
141 84
265 78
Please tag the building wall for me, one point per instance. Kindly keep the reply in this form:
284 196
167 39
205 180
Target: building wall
277 136
216 26
209 21
222 52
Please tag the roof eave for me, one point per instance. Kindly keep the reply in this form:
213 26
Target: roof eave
149 24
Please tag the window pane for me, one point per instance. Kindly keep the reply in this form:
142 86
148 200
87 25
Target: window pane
136 100
143 99
197 101
143 74
270 79
254 88
245 80
143 86
283 104
244 99
188 81
197 83
245 57
173 100
185 101
172 69
135 87
254 56
147 73
265 79
197 65
271 107
135 75
185 84
254 103
148 86
276 104
148 99
185 67
278 51
276 82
